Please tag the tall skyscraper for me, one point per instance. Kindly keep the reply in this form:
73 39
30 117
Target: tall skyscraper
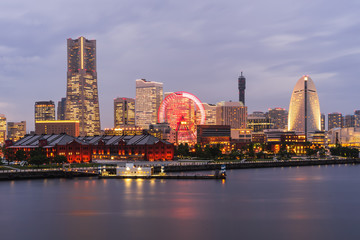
304 110
82 101
61 109
44 111
335 120
278 117
3 129
16 130
231 113
242 86
148 99
124 112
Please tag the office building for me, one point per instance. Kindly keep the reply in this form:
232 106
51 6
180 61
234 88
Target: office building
61 109
335 120
304 110
82 101
242 87
124 112
44 111
231 113
148 99
3 129
69 127
278 117
16 130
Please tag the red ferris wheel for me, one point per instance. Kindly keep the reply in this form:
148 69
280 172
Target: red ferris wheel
183 111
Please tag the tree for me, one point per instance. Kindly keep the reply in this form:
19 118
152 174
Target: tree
20 155
38 160
60 159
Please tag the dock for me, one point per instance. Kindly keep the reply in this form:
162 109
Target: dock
178 177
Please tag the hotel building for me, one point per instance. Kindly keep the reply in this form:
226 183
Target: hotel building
124 112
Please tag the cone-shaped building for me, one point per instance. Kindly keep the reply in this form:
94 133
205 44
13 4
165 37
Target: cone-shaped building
304 109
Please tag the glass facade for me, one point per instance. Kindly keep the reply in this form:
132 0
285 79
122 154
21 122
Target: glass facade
124 112
44 111
82 102
335 120
148 99
304 110
61 109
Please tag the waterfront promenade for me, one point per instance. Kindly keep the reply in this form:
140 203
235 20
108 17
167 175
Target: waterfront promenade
171 166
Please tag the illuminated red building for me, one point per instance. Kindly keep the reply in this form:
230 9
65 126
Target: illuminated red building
85 149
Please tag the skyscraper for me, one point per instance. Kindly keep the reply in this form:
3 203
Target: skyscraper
3 129
61 109
304 110
335 120
242 86
82 101
124 112
148 99
44 111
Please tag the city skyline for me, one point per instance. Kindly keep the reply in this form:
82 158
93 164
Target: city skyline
185 55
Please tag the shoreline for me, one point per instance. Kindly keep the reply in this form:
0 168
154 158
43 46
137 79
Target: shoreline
9 175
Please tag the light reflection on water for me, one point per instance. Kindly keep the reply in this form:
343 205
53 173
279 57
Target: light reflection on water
275 203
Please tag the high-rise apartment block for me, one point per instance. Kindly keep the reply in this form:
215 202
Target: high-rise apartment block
231 113
3 129
124 112
148 99
16 130
352 121
335 120
278 117
82 101
44 111
61 109
242 87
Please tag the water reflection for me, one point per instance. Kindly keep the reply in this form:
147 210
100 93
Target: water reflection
280 203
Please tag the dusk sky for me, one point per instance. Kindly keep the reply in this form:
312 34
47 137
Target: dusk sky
195 46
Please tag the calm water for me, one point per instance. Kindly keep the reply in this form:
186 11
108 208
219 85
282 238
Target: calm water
278 203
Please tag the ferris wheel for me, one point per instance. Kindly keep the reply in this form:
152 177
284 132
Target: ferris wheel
183 111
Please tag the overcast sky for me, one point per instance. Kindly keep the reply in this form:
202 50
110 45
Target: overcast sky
196 46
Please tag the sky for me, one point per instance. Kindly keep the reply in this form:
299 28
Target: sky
195 46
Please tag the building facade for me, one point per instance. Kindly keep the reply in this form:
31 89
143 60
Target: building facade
233 114
82 101
3 129
61 109
335 120
68 127
44 111
85 149
258 122
279 117
124 112
148 99
304 110
210 113
16 130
